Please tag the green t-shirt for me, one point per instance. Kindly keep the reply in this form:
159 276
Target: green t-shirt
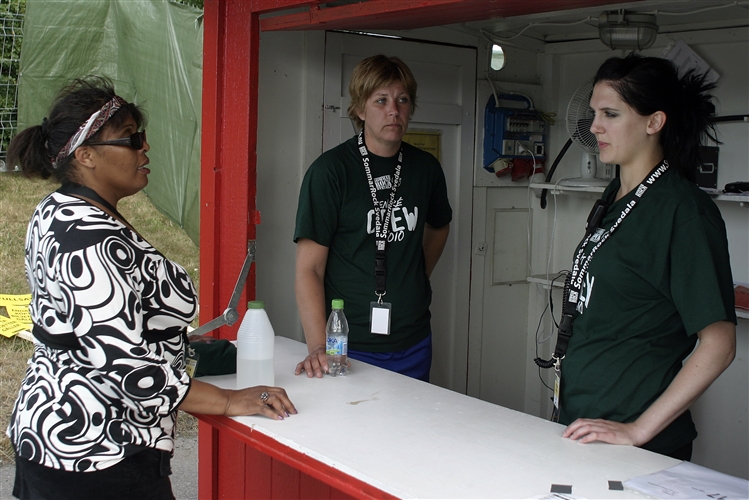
661 277
336 210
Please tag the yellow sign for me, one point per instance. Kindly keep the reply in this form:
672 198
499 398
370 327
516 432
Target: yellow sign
19 313
18 300
17 307
10 327
426 140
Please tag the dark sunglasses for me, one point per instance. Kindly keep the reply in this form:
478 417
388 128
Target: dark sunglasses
135 141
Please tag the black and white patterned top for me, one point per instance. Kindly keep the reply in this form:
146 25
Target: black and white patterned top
111 312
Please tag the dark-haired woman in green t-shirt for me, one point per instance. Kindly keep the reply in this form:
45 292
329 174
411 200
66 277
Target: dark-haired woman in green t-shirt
654 275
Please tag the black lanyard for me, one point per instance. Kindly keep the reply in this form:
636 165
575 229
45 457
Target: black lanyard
574 282
79 190
381 227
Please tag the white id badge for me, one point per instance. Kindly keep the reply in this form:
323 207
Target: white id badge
555 410
379 318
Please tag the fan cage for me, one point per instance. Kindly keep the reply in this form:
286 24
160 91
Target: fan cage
579 118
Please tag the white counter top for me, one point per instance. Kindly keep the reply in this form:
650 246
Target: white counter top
416 440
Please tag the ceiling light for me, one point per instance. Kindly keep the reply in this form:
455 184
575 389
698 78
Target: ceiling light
626 30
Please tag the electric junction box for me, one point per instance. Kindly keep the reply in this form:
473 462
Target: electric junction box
513 135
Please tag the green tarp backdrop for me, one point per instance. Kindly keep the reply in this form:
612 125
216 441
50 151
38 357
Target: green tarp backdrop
152 51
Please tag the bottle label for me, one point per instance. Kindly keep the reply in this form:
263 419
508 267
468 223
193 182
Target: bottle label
337 346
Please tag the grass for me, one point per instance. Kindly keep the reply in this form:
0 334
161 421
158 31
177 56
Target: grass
18 198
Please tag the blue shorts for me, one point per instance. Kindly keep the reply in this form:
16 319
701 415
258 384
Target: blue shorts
414 362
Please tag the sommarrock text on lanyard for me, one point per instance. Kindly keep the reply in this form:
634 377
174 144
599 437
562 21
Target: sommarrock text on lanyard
573 284
381 227
574 281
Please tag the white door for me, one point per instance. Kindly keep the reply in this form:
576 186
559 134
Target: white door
446 77
505 226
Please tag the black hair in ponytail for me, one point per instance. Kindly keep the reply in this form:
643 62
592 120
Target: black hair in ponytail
34 148
650 84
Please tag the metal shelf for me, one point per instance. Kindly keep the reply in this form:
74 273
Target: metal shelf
715 194
557 189
542 279
719 195
741 199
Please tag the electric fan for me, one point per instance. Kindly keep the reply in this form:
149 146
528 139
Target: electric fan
579 118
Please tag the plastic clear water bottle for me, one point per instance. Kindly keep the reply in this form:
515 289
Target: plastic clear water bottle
255 340
336 334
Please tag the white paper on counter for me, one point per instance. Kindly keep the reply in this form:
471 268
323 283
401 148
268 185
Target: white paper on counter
688 480
557 496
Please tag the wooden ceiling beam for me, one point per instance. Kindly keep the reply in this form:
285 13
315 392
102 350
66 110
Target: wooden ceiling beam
412 14
260 6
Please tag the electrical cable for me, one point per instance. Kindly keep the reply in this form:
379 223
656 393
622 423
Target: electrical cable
524 150
548 363
730 118
494 90
493 36
540 320
512 92
564 273
551 246
553 168
550 301
548 117
551 240
697 11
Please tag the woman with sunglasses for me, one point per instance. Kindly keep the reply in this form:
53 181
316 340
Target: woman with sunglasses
96 411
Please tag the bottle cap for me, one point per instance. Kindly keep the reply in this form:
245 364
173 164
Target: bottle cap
256 304
337 303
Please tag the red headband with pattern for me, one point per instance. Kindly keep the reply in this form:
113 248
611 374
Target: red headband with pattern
92 126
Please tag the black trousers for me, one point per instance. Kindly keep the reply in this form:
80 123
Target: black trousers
142 476
683 453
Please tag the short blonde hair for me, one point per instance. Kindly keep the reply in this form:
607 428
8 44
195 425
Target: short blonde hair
373 73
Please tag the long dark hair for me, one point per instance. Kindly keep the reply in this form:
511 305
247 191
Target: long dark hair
35 148
650 84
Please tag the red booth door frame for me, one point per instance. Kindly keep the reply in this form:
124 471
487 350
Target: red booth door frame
228 213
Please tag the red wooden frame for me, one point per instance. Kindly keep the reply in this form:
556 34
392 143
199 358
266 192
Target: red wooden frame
412 14
256 466
228 214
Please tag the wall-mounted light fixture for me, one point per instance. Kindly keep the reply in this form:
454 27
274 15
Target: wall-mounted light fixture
627 30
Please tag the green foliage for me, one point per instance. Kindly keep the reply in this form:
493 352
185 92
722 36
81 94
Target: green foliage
198 4
11 35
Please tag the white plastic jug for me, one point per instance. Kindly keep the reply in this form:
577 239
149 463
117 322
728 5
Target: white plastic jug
255 340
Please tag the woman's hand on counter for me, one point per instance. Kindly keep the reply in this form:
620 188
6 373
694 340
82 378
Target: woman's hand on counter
250 401
211 400
315 364
586 430
713 354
